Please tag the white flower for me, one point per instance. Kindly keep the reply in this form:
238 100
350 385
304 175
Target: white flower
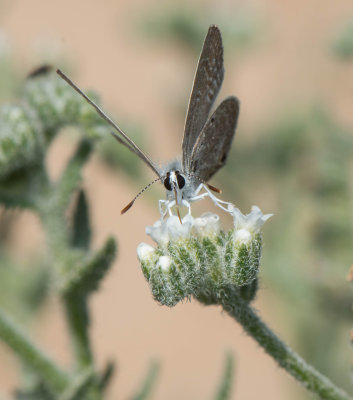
207 225
170 229
250 222
144 251
158 232
164 262
177 230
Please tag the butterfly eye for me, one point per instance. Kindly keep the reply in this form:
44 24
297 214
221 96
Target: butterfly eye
181 181
167 184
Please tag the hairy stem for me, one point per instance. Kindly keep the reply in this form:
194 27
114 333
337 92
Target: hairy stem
31 356
275 347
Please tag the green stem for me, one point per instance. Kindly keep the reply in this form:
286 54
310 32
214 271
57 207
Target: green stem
283 354
30 355
75 304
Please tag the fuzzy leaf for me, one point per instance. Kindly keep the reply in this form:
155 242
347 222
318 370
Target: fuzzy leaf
31 356
71 177
81 230
106 375
87 276
224 390
79 386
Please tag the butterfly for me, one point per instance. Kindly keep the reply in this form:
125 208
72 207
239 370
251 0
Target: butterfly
207 139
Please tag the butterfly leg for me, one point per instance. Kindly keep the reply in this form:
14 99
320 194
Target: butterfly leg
165 206
209 194
218 202
185 203
196 197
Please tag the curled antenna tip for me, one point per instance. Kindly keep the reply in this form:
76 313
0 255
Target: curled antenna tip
127 208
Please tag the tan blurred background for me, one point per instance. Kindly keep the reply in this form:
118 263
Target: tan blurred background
146 80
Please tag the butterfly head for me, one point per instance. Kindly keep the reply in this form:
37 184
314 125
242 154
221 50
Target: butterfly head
177 182
174 180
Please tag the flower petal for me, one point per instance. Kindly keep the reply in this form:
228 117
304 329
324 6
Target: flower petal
208 224
252 221
158 232
177 230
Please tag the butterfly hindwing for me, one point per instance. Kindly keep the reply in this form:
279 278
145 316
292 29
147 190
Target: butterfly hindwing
213 144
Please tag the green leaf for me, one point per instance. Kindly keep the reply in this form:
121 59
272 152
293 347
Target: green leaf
106 375
80 385
37 392
71 177
224 390
81 230
147 385
86 277
52 376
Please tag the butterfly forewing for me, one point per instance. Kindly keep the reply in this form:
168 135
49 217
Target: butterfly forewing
213 144
207 82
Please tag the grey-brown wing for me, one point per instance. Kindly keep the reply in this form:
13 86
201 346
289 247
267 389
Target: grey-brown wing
213 144
207 82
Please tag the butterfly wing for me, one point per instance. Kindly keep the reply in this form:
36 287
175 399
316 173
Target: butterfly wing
207 82
213 144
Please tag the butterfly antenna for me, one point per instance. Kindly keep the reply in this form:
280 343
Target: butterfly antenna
128 142
127 208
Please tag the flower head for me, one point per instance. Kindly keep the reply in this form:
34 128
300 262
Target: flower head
196 256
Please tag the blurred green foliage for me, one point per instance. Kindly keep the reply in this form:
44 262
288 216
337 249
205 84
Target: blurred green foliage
301 166
147 386
186 23
23 288
9 76
121 158
27 128
225 387
342 44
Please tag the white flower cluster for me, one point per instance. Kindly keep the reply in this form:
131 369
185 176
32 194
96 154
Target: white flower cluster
197 257
208 225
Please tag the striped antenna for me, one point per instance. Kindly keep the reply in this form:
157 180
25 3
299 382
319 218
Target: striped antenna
127 208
